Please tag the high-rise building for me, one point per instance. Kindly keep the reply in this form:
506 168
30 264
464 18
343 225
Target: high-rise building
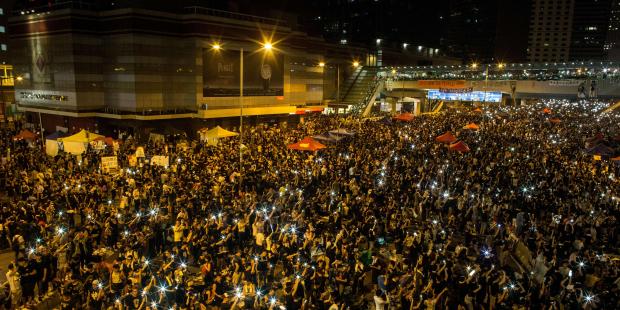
512 30
562 30
550 30
612 41
589 29
470 28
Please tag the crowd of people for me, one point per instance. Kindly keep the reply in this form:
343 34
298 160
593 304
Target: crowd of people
385 219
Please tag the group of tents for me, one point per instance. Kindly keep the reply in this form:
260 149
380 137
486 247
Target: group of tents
454 144
311 143
74 144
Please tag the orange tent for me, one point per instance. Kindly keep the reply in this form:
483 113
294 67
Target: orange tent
546 111
617 158
25 135
459 147
446 138
405 117
306 144
471 126
555 120
478 110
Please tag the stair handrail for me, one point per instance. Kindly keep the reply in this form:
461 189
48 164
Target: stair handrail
352 83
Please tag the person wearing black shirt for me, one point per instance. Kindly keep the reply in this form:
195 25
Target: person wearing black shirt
28 273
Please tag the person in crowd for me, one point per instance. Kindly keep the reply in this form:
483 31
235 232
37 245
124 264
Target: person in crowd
386 217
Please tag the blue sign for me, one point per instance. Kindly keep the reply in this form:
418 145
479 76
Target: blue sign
481 96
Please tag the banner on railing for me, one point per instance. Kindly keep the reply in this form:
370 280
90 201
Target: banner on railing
442 83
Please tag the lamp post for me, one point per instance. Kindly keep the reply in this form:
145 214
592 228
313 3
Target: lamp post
267 46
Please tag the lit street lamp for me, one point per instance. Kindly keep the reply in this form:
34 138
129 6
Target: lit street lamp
267 46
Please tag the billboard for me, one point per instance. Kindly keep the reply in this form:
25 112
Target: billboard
489 96
263 74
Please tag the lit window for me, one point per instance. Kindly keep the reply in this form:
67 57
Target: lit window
1 11
3 47
591 28
2 29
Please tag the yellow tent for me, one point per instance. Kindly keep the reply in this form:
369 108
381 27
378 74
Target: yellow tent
213 135
78 143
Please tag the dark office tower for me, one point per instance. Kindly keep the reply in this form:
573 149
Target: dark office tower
612 42
470 29
589 29
512 30
394 22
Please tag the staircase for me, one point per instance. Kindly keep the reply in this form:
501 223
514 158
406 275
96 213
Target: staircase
356 88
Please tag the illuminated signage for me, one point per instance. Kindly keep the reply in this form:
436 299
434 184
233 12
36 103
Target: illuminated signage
42 96
481 96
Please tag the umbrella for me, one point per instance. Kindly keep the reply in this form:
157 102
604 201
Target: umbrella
546 111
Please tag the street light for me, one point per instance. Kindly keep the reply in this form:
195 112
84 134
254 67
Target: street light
501 66
267 46
356 64
321 64
216 47
474 65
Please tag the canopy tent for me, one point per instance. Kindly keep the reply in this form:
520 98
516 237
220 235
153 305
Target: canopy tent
25 135
459 146
78 143
51 143
616 159
306 144
477 110
601 150
328 137
342 131
471 126
555 120
405 117
446 138
546 111
213 135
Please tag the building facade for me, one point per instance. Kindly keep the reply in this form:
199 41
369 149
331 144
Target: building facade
551 25
570 30
591 20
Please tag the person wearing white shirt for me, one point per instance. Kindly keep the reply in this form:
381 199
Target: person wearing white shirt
380 300
12 277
